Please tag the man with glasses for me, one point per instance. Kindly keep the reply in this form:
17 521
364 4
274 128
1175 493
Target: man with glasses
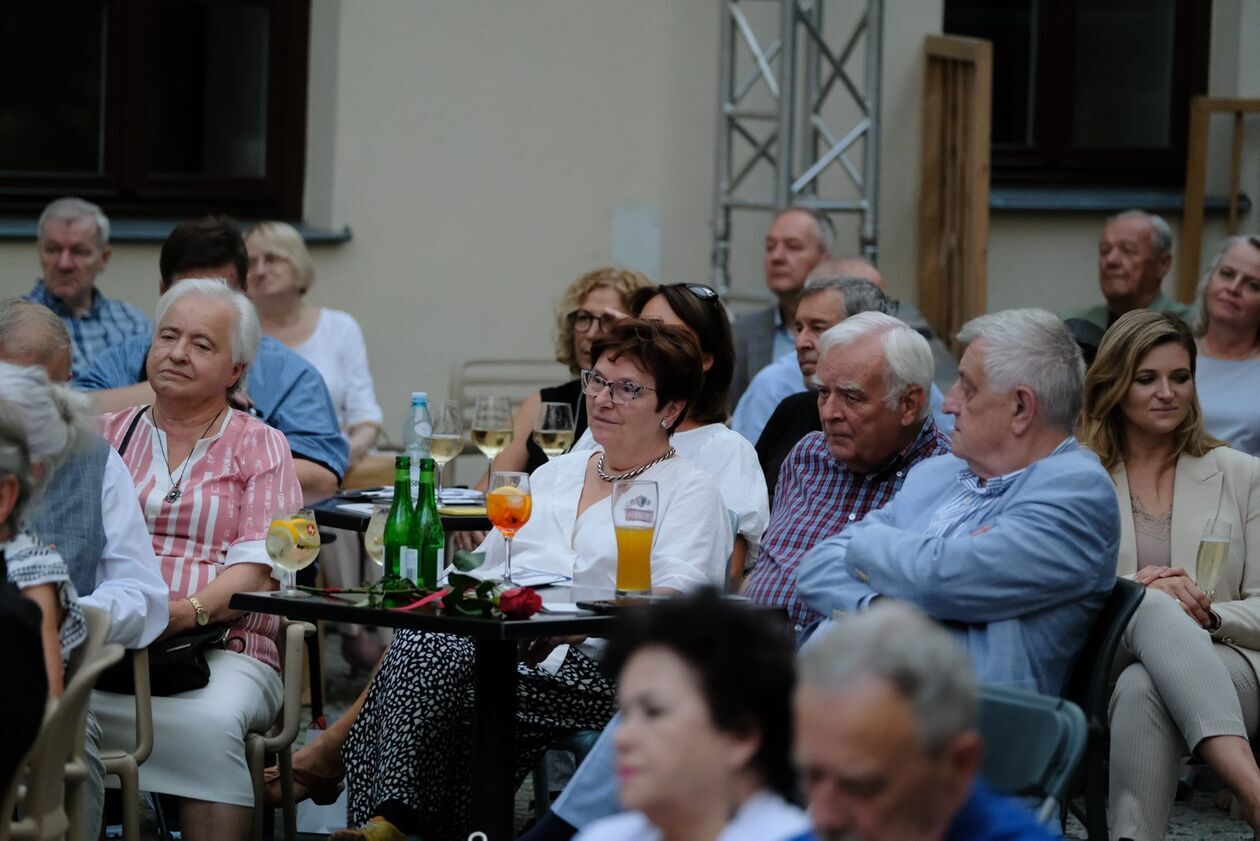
73 251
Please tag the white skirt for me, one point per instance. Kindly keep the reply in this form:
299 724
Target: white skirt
199 736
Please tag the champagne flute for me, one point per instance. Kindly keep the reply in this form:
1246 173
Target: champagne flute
292 544
1213 550
374 537
508 506
492 426
634 507
448 437
553 428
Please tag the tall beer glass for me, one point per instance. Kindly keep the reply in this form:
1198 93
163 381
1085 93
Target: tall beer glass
634 507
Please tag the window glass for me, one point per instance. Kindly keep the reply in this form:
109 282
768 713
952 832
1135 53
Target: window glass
1012 27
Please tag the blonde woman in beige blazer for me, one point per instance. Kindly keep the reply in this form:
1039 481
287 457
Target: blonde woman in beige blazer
1187 670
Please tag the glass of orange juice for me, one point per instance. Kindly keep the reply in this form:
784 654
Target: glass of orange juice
508 506
634 506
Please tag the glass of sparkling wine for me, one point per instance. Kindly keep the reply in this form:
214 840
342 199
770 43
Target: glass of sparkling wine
508 505
634 507
492 426
1213 550
292 544
374 537
553 428
448 436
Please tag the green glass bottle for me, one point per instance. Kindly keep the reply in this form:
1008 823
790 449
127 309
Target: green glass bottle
427 536
398 523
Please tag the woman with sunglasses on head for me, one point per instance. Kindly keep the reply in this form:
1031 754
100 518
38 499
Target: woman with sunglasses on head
406 755
704 437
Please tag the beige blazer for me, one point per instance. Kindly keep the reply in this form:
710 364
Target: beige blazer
1224 484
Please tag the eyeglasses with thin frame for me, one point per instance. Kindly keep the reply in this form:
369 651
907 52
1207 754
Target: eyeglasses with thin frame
624 392
582 320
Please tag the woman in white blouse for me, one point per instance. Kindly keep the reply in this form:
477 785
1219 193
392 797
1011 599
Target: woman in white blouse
403 757
280 275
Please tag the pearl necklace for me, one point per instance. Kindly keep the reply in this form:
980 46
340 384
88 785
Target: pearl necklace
629 474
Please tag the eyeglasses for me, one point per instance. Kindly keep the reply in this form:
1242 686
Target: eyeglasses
704 293
582 320
624 392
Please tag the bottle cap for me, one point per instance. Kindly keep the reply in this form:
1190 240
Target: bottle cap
419 398
427 465
402 462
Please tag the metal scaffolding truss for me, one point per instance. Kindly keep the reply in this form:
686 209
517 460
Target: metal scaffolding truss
764 112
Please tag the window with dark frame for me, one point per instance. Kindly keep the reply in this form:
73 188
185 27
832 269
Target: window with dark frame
155 107
1090 92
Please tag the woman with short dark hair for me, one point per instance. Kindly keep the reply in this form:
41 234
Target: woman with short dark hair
405 757
702 750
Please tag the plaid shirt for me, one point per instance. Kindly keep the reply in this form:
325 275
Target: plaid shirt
817 497
107 323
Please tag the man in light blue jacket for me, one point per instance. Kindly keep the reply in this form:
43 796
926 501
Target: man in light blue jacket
1012 540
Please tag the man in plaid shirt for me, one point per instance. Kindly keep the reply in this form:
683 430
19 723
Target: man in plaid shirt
873 378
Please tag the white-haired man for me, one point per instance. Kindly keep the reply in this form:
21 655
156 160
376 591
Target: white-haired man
1134 255
73 251
1013 538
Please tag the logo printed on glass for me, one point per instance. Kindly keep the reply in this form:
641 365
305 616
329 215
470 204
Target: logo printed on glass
639 510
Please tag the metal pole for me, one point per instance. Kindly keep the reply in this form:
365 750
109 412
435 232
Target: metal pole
787 106
813 81
722 178
870 148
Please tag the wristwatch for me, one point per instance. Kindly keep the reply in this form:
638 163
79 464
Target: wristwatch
203 618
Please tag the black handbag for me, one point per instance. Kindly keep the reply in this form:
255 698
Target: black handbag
176 664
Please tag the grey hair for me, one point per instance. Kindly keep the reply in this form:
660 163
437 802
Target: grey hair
57 420
896 643
907 355
825 231
245 334
31 329
1218 257
72 209
860 295
1161 234
15 460
1032 348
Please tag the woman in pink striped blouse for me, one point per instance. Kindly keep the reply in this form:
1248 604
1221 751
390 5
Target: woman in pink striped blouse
210 479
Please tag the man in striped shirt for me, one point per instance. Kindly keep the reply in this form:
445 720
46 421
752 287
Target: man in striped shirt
873 377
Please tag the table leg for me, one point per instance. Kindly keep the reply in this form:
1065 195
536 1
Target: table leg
494 738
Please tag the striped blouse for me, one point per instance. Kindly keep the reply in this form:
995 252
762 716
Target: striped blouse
237 479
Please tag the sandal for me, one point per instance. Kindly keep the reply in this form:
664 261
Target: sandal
376 829
322 790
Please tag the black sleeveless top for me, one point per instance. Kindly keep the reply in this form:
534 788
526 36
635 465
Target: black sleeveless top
571 393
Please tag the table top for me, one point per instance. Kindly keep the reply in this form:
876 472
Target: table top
345 608
330 514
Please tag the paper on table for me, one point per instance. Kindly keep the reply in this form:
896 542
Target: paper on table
522 576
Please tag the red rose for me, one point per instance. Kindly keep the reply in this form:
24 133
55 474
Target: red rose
519 603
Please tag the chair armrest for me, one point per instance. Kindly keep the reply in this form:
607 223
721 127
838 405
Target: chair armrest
292 639
144 705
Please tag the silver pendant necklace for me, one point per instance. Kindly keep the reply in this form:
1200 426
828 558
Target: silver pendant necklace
175 492
629 474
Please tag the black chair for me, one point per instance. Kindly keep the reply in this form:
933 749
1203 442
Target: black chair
1089 687
1033 745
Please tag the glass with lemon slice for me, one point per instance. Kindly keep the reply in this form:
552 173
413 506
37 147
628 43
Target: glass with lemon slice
292 544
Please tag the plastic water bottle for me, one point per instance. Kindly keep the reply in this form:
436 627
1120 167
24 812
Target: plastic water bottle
417 438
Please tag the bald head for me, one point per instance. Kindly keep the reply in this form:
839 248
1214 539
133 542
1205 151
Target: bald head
850 267
32 334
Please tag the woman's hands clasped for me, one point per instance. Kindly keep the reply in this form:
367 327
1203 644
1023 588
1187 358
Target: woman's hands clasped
1176 582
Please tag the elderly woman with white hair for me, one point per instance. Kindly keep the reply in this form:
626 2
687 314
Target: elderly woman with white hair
36 568
209 480
1228 371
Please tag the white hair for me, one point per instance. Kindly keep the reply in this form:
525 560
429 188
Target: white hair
1032 348
1161 234
907 355
15 461
56 419
245 333
896 643
71 210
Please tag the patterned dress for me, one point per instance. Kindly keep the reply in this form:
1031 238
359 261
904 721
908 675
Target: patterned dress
31 563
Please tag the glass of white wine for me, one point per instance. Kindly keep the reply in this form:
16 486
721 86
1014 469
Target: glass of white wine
448 436
292 544
553 428
374 537
492 426
1213 550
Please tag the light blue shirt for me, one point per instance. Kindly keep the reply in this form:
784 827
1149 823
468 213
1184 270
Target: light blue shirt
1229 392
1016 567
784 340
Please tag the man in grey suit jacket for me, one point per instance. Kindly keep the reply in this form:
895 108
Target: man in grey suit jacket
798 240
1012 540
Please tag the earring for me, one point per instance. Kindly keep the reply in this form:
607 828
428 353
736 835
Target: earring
664 424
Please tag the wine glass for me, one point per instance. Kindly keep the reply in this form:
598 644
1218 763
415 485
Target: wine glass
292 544
374 537
553 428
634 506
508 506
448 437
1213 550
492 426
